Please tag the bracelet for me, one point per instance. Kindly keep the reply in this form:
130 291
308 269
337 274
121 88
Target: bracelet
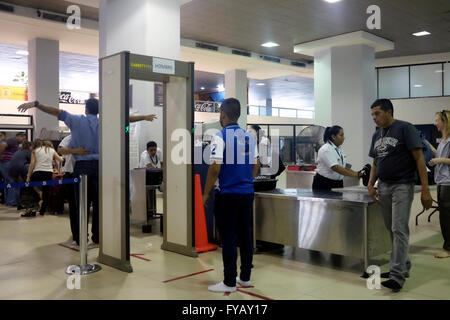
36 103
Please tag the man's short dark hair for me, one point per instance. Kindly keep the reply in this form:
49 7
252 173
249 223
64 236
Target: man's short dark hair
151 144
232 108
92 106
21 134
384 104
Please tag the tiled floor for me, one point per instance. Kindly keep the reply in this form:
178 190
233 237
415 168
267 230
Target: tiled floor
32 266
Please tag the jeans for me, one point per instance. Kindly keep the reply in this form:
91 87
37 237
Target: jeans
395 201
11 194
89 168
233 214
444 213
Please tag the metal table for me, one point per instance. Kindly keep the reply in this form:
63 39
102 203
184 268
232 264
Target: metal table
345 222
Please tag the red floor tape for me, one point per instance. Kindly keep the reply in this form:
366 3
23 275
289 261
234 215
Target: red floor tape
63 245
253 294
136 255
189 275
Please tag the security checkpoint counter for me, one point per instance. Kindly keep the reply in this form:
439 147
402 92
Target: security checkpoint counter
343 221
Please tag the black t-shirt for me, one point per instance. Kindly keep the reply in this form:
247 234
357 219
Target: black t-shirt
391 149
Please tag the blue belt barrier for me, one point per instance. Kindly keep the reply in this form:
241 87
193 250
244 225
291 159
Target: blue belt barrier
38 183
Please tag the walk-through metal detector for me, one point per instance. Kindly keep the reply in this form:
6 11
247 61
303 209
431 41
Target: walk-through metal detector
178 220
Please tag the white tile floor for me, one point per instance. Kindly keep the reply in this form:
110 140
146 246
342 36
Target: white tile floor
32 266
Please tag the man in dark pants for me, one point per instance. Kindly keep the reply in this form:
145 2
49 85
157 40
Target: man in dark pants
234 161
84 132
65 149
397 152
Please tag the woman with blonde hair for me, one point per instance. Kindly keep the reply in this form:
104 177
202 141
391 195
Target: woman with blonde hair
41 167
442 177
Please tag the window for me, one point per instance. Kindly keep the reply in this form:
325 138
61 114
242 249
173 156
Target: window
253 111
426 80
306 114
447 79
288 113
393 82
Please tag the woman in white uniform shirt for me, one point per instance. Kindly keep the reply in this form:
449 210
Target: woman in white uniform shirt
331 168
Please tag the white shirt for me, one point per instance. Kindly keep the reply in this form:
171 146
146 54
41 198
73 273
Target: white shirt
44 159
70 160
155 161
329 155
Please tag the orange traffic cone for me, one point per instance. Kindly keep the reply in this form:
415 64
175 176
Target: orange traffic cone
201 235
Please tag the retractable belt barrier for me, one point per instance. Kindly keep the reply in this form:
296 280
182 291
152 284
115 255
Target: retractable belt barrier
18 185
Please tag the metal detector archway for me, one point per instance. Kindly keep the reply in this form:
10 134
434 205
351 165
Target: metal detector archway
178 220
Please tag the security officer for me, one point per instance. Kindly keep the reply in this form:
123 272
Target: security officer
234 199
332 161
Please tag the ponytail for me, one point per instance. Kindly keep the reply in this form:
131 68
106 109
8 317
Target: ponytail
329 132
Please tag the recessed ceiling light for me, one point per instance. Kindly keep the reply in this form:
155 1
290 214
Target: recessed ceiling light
260 84
221 87
202 88
270 44
439 71
332 1
22 52
421 33
418 86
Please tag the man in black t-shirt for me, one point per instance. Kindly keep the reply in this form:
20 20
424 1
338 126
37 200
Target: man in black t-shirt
397 152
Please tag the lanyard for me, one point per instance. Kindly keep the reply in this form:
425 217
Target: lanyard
339 154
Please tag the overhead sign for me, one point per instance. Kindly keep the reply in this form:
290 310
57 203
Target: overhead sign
73 97
163 66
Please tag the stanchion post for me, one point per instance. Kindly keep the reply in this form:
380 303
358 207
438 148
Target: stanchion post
84 267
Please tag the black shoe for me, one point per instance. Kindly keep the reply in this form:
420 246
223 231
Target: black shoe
19 207
386 275
28 214
391 284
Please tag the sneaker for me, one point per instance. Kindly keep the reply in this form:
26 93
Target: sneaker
386 275
221 287
74 244
28 214
392 284
92 245
243 283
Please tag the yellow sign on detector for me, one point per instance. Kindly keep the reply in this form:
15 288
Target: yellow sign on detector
13 93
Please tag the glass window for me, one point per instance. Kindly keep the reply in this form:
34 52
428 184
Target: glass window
306 114
286 141
426 80
447 79
275 112
288 113
262 111
253 111
393 82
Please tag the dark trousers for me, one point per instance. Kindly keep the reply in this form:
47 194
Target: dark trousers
323 183
444 213
233 214
69 194
89 168
43 176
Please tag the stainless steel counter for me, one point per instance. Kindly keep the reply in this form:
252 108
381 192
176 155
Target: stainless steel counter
344 222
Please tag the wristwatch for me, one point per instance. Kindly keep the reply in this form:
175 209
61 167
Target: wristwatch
36 103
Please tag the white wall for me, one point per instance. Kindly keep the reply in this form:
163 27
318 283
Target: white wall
421 110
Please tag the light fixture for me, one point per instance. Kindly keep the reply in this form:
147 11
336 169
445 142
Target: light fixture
332 1
439 71
22 52
418 86
421 33
260 84
270 44
220 87
202 88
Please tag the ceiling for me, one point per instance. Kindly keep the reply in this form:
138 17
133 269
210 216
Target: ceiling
247 24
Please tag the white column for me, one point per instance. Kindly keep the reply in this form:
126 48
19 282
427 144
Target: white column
147 27
236 87
43 81
345 87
